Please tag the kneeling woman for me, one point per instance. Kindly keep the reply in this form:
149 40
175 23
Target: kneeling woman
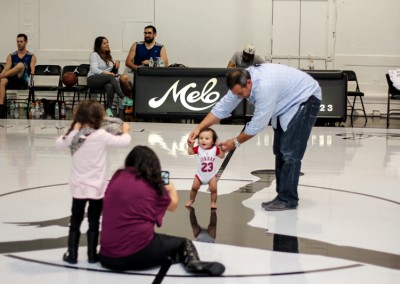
135 200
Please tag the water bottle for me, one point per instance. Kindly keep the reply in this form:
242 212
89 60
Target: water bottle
161 62
41 108
12 107
311 65
37 110
62 114
151 62
56 111
30 107
16 110
33 109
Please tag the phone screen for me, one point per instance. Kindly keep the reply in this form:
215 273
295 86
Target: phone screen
165 177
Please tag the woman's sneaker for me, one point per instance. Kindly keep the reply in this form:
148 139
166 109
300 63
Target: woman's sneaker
127 102
109 112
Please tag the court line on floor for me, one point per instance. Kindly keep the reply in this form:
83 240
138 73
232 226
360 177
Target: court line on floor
187 276
352 192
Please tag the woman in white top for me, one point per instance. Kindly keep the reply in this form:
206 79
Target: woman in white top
103 73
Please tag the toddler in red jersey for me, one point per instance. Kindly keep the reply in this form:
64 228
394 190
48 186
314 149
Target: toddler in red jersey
207 152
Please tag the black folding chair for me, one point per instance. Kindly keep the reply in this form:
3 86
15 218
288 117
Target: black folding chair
393 94
352 77
80 87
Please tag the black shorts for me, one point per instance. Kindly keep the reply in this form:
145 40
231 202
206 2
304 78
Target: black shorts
16 83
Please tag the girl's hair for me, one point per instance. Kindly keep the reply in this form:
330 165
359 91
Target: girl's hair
214 134
106 56
145 164
89 112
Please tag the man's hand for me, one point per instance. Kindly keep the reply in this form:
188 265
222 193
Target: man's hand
227 146
193 135
190 143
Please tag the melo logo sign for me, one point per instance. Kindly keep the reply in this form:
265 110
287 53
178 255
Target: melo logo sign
188 97
180 92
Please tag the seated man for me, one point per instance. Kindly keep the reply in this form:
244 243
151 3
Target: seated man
141 51
246 58
19 65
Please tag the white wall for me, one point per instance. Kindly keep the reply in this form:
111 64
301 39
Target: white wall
362 35
368 42
206 33
9 27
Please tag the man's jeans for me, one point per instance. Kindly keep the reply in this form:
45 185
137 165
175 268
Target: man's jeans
289 148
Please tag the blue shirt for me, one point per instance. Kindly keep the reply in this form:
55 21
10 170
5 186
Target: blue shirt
277 92
26 60
142 53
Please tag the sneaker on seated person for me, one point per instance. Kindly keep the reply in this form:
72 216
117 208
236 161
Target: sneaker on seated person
127 102
109 112
129 110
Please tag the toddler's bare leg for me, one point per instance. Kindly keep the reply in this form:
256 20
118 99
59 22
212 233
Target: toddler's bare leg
213 192
193 192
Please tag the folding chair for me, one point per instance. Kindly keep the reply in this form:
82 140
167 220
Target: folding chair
352 77
80 87
47 78
393 94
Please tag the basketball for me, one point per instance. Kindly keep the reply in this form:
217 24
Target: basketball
69 79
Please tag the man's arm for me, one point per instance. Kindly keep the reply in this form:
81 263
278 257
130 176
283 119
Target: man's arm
243 137
8 64
258 60
131 56
232 61
163 55
209 120
231 65
33 65
229 145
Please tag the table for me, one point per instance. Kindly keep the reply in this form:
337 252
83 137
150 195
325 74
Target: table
180 92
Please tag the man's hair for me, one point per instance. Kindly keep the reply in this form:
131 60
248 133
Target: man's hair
24 36
237 76
151 27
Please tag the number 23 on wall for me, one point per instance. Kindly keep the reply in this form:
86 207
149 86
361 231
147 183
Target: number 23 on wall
326 108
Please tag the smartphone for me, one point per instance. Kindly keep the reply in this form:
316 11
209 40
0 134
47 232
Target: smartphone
165 177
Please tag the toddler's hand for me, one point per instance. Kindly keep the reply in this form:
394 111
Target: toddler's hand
190 143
